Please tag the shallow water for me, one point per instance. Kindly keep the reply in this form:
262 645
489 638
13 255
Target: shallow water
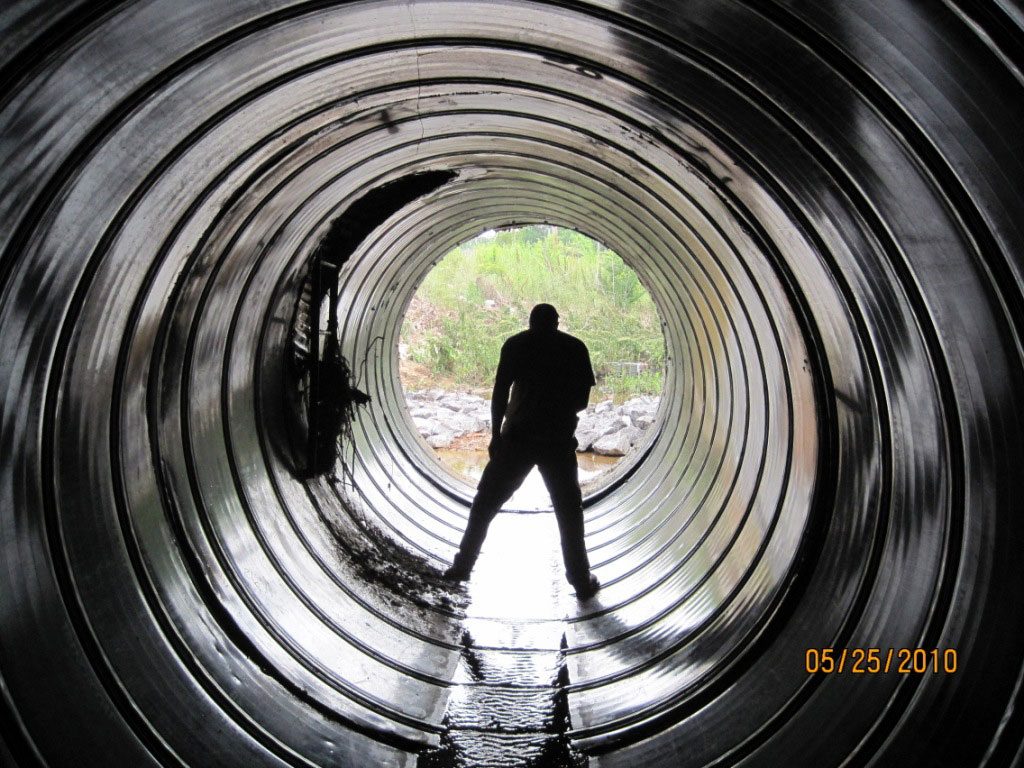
532 495
507 706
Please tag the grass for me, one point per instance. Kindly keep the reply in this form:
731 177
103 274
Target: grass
481 293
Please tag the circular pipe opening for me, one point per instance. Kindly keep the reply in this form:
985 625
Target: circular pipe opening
478 295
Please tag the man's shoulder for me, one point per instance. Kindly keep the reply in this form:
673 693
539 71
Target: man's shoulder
515 348
518 339
529 339
571 341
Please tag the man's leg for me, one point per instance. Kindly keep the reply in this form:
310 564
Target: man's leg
500 479
559 470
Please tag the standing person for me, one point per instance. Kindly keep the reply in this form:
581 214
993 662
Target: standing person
550 377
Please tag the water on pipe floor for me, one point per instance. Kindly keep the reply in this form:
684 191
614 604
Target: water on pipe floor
532 495
507 707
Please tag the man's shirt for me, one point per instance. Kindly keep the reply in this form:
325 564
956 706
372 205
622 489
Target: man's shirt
551 377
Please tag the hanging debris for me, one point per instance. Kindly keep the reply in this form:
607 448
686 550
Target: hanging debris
331 407
324 387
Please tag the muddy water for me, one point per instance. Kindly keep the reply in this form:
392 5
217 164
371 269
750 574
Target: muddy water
532 494
471 463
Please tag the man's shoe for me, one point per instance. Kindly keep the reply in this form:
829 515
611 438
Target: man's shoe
456 573
588 589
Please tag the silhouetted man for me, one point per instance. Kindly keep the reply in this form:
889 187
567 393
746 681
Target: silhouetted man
550 376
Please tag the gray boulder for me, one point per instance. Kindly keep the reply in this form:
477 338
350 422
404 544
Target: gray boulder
642 420
612 425
462 423
585 439
617 443
441 439
425 427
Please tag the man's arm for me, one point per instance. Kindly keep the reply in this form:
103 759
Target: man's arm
499 397
581 399
581 392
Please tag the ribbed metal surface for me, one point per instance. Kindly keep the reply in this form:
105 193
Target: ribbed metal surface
824 200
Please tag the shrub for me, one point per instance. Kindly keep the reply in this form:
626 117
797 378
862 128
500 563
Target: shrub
482 291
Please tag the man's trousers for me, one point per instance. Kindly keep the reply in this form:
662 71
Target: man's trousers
513 459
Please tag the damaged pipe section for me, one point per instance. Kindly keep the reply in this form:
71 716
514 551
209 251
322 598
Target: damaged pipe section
322 390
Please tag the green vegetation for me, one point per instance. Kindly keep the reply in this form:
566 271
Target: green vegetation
482 292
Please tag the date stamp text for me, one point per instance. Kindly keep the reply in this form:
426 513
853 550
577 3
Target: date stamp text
878 661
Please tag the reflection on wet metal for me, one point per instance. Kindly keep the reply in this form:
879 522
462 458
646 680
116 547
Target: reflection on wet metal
507 706
825 201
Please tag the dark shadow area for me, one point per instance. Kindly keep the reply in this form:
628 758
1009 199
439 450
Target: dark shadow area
321 394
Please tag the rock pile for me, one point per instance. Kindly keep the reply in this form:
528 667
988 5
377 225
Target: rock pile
442 416
604 428
613 430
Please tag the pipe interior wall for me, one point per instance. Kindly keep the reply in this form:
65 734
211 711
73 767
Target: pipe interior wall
824 201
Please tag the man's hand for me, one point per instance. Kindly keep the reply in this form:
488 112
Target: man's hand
494 446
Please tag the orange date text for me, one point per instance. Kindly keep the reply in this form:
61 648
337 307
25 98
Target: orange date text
877 661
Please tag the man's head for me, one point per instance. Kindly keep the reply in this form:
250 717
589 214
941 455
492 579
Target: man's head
543 317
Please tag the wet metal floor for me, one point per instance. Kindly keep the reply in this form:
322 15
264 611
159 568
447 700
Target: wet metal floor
507 707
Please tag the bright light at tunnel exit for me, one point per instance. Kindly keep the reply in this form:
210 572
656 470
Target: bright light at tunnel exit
478 295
